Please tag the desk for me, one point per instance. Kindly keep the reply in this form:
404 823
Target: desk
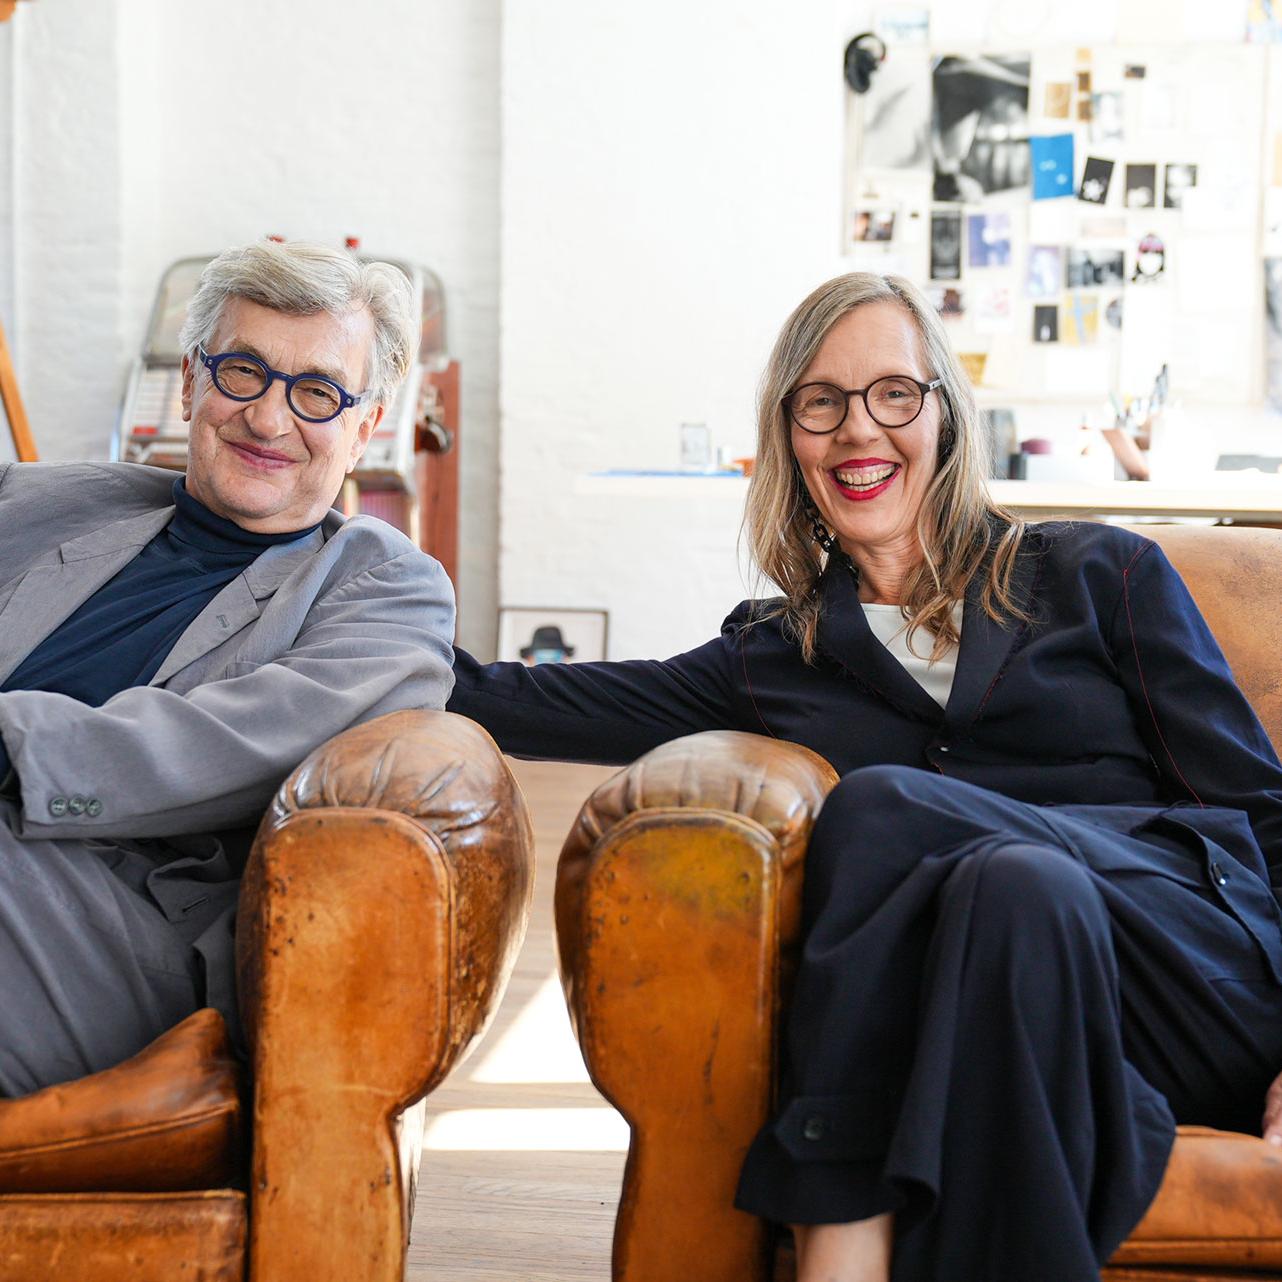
1256 500
1250 500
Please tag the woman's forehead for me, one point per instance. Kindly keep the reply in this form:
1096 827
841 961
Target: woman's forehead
871 340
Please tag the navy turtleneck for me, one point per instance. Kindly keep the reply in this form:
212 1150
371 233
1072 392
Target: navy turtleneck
120 636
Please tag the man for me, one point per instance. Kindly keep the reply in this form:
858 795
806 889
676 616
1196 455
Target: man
170 650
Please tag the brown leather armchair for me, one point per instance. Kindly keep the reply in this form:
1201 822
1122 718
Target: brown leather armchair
380 914
678 912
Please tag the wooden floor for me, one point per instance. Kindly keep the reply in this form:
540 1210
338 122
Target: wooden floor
523 1157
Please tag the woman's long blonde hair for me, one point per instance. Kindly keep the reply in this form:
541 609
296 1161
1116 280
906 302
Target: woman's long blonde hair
958 525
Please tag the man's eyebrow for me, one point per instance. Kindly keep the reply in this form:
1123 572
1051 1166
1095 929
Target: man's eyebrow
325 371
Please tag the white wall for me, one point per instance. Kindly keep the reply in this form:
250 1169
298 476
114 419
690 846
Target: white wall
672 186
148 131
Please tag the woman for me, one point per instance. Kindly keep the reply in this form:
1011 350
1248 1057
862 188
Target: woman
1039 923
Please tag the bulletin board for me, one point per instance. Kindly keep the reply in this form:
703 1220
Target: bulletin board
1080 216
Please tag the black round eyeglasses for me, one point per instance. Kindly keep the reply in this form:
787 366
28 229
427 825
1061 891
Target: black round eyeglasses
313 397
891 402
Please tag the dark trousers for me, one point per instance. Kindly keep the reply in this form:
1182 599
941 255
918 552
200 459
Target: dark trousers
1001 1012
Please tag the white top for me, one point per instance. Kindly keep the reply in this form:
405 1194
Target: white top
888 625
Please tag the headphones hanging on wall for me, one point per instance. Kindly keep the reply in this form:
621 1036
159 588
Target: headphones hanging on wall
864 54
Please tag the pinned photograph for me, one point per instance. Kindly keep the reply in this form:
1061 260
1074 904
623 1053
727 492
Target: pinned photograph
1113 312
1263 22
1135 71
1059 100
1103 227
1045 271
945 245
1106 117
1051 156
903 24
1083 82
979 133
989 237
554 634
1091 268
948 302
1273 332
1141 186
873 224
1079 320
1045 323
1150 259
896 115
974 363
1096 178
993 310
1179 178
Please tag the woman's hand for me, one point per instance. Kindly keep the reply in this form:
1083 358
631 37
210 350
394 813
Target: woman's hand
1273 1112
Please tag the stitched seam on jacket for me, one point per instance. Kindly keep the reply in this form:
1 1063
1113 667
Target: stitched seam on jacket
747 680
1139 668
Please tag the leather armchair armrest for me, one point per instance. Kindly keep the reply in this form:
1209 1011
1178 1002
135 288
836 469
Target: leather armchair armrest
772 784
381 911
678 895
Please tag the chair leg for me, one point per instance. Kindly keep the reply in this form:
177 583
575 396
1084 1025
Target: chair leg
676 1005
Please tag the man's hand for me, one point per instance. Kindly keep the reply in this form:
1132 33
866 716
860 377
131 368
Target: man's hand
1273 1112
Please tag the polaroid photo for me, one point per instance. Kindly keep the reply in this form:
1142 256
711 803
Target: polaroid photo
1096 178
1141 186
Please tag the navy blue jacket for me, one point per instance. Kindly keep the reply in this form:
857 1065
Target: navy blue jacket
1115 695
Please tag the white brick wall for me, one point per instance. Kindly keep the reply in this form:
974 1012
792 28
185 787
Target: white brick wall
147 131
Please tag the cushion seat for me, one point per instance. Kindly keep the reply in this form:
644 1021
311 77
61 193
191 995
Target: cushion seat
1220 1204
170 1119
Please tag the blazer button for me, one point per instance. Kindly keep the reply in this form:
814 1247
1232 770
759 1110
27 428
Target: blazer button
814 1127
76 806
943 747
57 806
1218 875
93 807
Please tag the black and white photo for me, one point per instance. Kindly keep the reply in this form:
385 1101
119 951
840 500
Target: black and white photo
945 244
1096 177
1089 268
979 132
1141 186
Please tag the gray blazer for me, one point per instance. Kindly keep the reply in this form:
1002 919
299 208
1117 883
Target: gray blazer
313 637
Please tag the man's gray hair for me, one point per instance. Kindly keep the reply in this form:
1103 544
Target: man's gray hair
302 279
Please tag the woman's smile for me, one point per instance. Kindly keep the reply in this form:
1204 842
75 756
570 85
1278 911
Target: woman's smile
864 478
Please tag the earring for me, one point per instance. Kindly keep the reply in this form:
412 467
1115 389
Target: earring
818 530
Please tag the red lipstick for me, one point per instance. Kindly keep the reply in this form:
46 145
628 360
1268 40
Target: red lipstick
864 465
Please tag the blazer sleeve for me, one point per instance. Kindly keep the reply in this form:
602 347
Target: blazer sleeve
603 713
153 762
1201 732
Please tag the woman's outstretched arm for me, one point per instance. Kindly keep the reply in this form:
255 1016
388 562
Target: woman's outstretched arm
605 713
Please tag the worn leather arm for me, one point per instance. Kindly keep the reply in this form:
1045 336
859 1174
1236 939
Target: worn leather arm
678 896
381 911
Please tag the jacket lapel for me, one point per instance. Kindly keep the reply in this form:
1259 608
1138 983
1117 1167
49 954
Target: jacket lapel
238 603
986 644
42 598
844 636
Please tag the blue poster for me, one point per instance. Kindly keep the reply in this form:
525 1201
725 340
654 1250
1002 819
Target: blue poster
1052 160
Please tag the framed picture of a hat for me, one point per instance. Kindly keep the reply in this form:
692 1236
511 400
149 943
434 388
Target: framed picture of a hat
555 634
